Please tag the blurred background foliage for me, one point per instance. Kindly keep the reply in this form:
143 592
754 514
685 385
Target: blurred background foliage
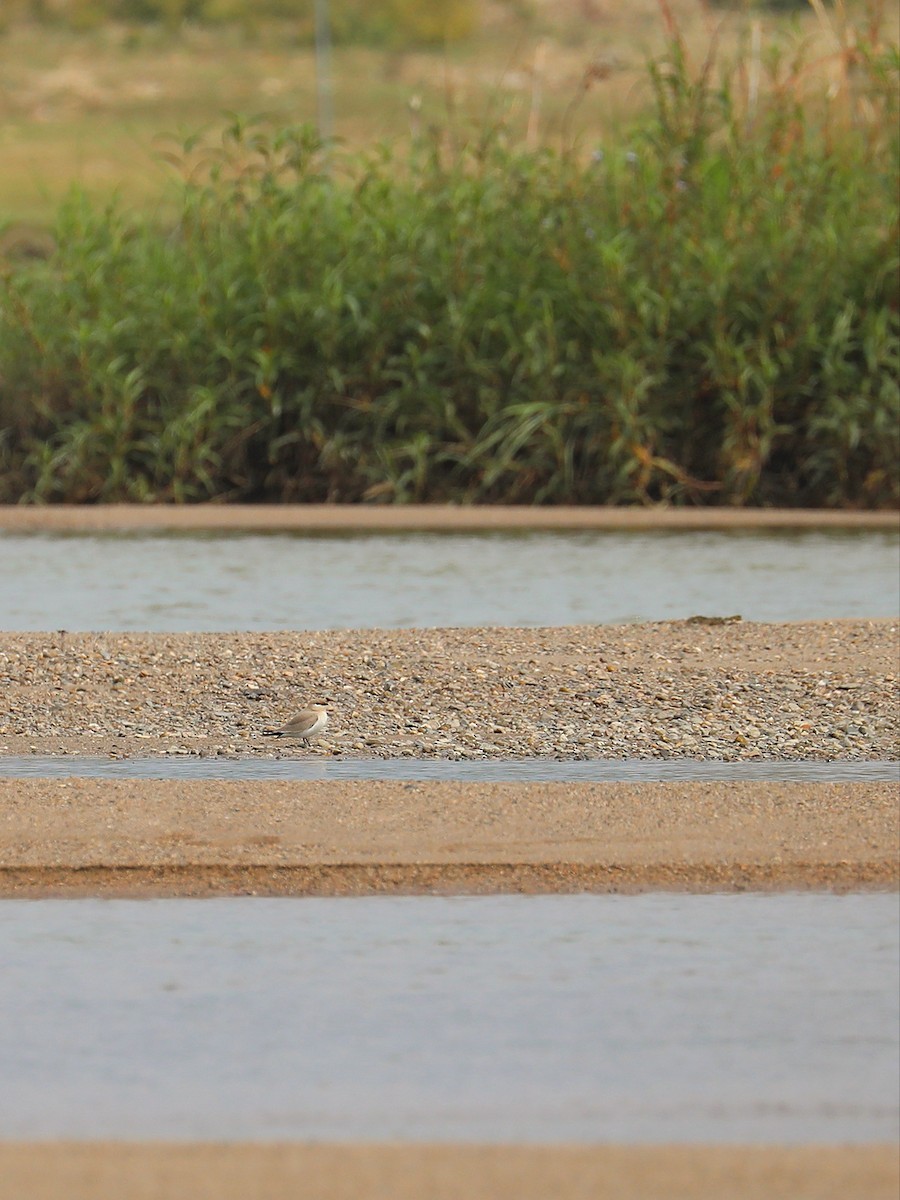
371 22
697 304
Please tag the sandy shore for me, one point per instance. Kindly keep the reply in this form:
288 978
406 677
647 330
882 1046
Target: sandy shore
318 1172
825 691
148 837
420 517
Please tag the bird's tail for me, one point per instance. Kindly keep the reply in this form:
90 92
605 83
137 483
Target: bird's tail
273 733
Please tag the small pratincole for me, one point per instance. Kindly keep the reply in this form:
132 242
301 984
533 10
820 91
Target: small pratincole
307 724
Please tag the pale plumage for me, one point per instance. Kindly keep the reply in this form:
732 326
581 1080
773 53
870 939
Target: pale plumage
305 725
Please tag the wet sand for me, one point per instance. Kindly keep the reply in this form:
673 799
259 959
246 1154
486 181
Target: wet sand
355 1172
199 838
421 517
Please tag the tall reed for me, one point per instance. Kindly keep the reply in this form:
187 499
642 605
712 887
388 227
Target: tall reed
704 314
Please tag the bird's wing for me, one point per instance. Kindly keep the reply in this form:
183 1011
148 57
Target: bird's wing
301 722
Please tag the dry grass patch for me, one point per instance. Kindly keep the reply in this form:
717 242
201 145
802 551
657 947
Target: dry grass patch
90 107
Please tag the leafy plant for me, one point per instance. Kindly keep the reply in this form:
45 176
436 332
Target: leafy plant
706 313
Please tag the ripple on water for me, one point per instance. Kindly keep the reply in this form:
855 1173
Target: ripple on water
490 771
656 1018
208 582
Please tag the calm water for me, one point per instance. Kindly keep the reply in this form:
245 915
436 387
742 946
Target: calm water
287 581
37 766
589 1018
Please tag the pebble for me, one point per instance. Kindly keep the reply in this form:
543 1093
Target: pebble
813 690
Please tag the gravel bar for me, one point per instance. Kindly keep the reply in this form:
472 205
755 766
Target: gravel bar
823 691
735 691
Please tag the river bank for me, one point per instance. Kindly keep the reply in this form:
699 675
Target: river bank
438 518
107 1171
131 837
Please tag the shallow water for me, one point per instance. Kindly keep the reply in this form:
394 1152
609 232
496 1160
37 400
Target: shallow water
46 766
568 1018
192 582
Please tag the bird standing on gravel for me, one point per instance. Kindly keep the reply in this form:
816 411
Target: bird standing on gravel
306 725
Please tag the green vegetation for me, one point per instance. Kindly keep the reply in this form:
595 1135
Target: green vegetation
706 313
87 101
366 21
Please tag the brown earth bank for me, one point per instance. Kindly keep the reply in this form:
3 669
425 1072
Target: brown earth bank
446 517
79 837
112 1171
823 690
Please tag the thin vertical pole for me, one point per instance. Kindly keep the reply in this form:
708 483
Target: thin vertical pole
532 130
753 83
324 106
